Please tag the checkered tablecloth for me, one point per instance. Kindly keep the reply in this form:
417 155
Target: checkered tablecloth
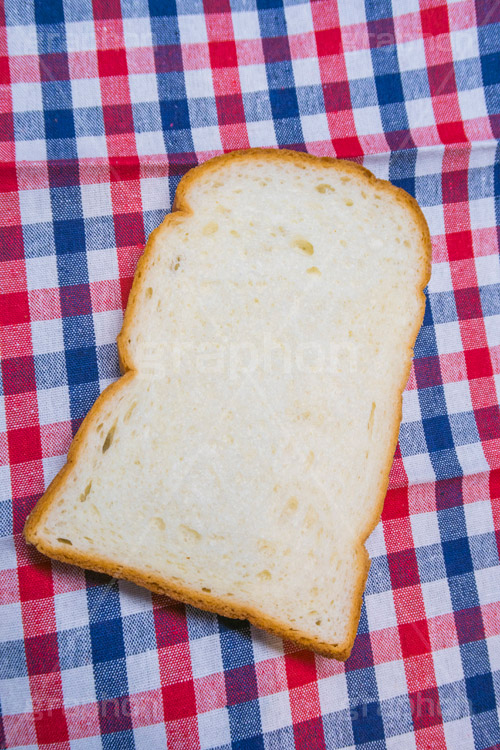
104 106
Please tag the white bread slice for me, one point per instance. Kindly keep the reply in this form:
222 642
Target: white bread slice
242 460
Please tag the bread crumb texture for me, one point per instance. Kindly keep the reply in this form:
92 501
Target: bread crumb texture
242 460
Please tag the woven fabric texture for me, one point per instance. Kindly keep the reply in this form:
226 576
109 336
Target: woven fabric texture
104 105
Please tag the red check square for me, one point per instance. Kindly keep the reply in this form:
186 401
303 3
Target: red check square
179 701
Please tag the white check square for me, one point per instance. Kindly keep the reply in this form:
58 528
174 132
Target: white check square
71 609
352 12
12 622
401 742
411 55
41 273
85 743
8 557
367 120
375 544
53 405
315 128
153 737
22 40
199 83
143 88
419 468
378 164
26 97
472 104
78 686
206 139
275 711
47 336
298 19
380 611
448 337
425 529
458 734
411 406
102 264
154 193
482 155
213 729
457 397
306 72
420 113
265 645
35 150
133 599
246 24
206 656
16 697
487 266
52 465
137 32
429 160
472 458
448 665
192 28
436 596
80 36
107 326
86 92
35 206
149 143
96 200
492 325
253 78
494 652
91 146
488 585
435 219
143 672
261 133
464 44
358 64
391 679
333 693
479 518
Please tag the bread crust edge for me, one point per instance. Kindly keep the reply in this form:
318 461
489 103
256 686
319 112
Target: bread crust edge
32 529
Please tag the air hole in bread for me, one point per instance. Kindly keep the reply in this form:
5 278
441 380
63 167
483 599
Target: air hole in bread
149 292
109 439
189 533
349 202
128 414
314 270
86 492
324 187
264 575
64 541
159 523
291 506
204 588
371 417
304 245
210 228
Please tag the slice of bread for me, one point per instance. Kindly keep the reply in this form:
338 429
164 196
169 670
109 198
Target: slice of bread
242 459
